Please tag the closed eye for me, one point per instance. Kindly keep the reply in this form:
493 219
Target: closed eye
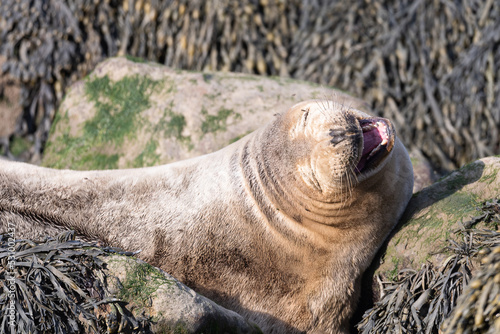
305 115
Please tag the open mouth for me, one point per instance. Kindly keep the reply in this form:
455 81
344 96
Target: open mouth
378 138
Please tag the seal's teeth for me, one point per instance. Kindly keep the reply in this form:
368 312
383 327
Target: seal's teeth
374 151
384 141
368 127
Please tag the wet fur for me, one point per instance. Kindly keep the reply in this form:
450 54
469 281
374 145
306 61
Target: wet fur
238 225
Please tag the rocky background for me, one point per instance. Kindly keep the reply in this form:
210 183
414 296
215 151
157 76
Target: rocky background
129 114
431 66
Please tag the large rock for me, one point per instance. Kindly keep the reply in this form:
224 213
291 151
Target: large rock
129 114
435 212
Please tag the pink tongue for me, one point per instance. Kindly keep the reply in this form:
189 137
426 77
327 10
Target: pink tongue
372 139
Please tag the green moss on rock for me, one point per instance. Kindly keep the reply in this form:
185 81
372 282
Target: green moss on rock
429 230
117 118
215 123
102 161
435 213
148 156
172 125
118 105
67 151
392 274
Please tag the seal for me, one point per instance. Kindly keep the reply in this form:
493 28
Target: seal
279 226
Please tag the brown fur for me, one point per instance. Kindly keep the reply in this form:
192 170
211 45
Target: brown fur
275 226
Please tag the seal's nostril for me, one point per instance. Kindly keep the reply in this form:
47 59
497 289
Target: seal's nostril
337 140
337 132
338 136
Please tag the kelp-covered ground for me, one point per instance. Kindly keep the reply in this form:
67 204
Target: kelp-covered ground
59 286
433 66
461 295
421 301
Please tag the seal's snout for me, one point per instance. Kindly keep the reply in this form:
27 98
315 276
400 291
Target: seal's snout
378 141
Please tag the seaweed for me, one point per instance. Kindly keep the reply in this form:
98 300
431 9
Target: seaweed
59 286
430 66
421 301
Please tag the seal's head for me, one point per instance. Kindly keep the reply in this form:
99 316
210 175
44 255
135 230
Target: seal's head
337 147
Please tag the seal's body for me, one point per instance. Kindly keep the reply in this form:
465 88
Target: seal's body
278 226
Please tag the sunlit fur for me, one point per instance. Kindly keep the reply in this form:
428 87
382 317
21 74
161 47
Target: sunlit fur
277 226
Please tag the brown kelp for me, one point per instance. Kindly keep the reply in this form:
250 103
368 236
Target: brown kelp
58 286
478 308
432 66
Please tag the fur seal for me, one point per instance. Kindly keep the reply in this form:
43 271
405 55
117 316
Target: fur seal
278 226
